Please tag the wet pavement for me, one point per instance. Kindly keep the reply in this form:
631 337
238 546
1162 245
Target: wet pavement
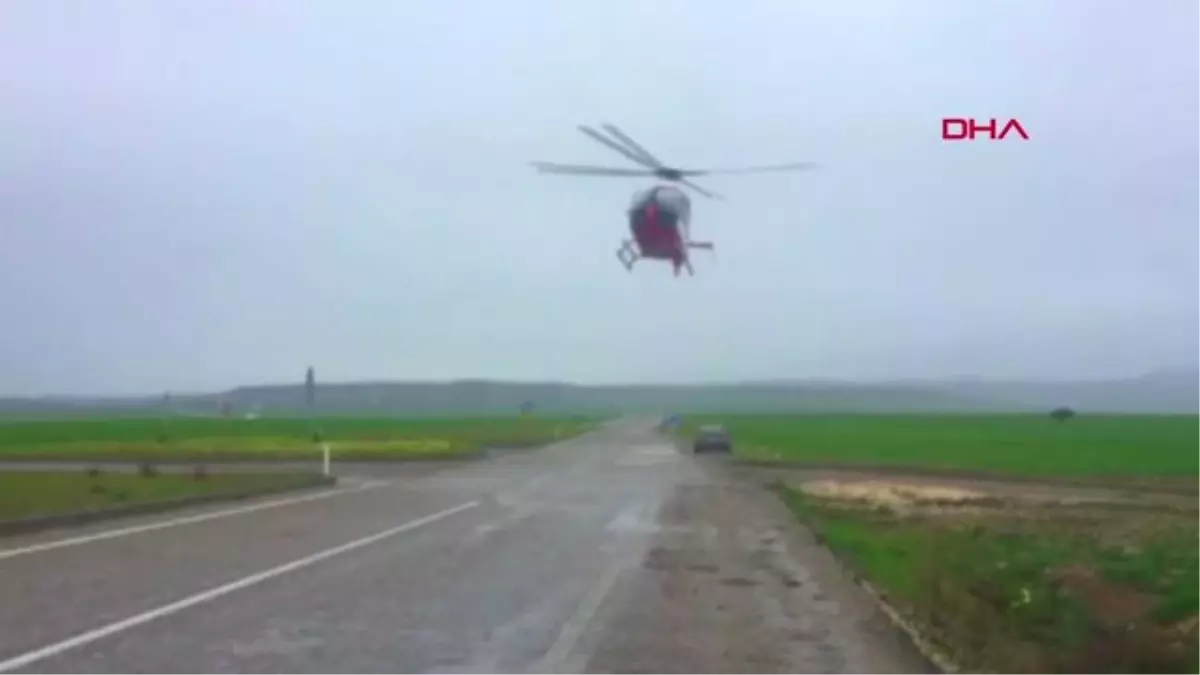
612 552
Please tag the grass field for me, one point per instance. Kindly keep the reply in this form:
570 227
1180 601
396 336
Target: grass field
1146 446
1021 587
203 438
28 494
1008 579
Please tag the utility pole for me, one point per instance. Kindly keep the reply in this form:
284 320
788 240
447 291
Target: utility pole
310 388
310 400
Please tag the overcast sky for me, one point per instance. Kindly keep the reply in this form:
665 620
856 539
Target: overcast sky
196 195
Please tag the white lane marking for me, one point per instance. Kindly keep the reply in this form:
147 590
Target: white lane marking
214 593
555 658
175 522
647 455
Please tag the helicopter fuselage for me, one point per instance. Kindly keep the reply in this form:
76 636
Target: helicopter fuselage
659 218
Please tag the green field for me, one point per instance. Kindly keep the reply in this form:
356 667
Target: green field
1144 446
1023 588
29 494
210 438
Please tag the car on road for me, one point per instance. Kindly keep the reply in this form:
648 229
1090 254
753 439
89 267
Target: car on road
712 438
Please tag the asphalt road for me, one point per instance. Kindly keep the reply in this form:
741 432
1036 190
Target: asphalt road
611 552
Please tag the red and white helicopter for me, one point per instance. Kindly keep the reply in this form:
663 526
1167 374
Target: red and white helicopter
660 216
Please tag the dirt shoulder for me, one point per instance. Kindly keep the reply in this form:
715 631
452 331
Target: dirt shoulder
733 583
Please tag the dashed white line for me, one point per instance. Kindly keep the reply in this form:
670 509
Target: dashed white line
555 660
176 522
213 593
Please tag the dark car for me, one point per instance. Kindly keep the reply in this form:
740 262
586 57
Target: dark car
712 438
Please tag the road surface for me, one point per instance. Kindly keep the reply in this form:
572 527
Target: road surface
611 552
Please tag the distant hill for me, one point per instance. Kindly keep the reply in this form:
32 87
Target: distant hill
1167 391
413 399
1164 391
482 397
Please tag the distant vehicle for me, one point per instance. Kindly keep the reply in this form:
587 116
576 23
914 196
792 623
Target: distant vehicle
714 438
660 216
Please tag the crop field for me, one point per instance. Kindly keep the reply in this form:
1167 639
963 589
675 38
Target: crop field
265 438
1131 446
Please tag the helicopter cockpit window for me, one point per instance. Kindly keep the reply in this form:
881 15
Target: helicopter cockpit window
640 197
671 197
675 201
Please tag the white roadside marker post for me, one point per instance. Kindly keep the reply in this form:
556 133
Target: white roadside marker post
325 458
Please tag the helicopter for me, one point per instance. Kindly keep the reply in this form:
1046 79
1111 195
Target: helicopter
659 216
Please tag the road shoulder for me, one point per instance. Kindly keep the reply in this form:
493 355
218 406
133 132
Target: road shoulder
732 583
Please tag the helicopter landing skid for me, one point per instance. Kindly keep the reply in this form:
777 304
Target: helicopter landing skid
627 255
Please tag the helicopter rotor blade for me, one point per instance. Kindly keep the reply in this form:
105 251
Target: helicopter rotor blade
794 166
697 188
582 170
633 145
626 152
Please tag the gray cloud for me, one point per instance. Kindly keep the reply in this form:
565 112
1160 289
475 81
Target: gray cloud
196 195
